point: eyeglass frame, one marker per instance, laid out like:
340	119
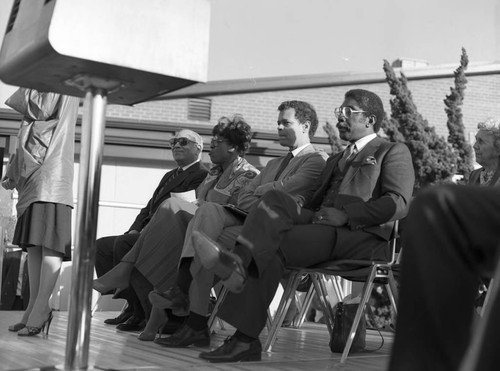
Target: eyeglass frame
341	110
183	141
214	141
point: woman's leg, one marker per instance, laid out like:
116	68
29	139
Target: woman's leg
34	266
49	267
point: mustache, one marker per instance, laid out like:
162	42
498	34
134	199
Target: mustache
342	125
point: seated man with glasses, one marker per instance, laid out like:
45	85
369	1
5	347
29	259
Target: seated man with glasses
359	195
187	148
153	260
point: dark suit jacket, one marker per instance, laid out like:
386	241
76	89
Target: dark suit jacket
10	276
376	189
188	180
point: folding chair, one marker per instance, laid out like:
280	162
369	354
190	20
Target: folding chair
367	271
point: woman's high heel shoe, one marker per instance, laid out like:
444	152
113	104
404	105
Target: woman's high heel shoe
18	326
150	336
117	278
160	317
32	330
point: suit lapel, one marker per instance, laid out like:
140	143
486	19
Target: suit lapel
290	166
354	166
167	186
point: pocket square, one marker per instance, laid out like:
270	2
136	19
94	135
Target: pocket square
370	160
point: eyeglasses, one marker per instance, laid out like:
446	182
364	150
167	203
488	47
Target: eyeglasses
182	141
346	112
215	141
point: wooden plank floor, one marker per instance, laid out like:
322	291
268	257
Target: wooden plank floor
296	349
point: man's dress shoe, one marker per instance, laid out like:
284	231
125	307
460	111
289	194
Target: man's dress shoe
122	317
185	337
171	327
132	324
225	264
234	350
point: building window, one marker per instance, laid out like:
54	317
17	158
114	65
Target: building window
199	109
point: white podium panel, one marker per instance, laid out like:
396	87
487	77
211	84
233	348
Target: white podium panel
135	49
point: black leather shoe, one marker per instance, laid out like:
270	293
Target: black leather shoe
122	317
234	350
185	337
132	324
173	299
225	264
171	327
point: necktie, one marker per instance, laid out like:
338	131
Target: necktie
283	165
348	154
174	175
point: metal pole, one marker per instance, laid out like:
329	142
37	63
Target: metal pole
77	341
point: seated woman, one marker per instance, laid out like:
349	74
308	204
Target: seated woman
155	255
487	149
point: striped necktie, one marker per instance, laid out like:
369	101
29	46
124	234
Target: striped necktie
348	154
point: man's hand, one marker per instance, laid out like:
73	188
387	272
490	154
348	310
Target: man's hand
330	216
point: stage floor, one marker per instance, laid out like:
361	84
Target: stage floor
296	349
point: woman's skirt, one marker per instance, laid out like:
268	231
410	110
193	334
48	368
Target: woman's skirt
45	224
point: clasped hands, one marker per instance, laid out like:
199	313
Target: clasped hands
330	216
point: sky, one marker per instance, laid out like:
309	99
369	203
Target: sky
263	38
269	38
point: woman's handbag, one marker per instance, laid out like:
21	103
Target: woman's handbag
342	321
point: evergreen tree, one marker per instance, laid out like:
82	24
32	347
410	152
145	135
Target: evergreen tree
434	160
333	138
453	109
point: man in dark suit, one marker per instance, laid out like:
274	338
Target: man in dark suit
450	242
187	148
362	191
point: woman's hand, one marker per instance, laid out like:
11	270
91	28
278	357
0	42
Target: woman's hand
8	183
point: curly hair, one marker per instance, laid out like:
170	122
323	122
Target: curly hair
303	112
236	131
492	126
369	102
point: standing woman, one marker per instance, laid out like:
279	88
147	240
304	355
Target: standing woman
487	150
42	172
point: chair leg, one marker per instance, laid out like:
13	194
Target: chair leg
96	305
393	289
305	306
286	299
367	289
213	315
319	286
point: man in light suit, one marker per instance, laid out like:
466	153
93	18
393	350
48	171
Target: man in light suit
362	190
187	147
294	173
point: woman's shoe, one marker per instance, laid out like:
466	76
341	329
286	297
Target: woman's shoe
18	326
150	335
32	330
116	278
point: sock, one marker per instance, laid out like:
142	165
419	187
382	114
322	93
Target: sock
242	337
173	318
184	277
196	321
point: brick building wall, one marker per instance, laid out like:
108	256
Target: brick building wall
482	98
